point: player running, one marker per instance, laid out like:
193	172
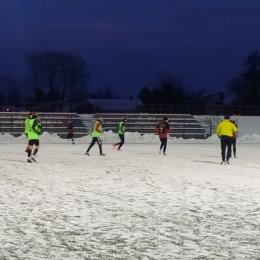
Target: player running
121	133
97	131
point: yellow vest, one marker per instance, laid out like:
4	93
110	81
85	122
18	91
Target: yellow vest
226	128
96	133
32	135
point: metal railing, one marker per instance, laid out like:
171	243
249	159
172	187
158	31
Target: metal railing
209	123
245	110
200	109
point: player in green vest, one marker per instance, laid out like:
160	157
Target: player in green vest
35	128
121	133
97	131
26	128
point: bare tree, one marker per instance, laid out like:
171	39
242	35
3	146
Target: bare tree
75	77
167	90
9	89
43	73
246	86
104	93
60	75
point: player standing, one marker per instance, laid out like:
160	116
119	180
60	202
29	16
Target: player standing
162	129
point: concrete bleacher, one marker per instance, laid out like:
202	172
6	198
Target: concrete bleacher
13	123
183	125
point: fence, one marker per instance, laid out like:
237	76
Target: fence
243	110
200	109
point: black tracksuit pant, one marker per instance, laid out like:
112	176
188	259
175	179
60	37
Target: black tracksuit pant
226	142
122	138
234	141
163	144
94	140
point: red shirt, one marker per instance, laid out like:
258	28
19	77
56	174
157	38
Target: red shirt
162	129
98	124
234	134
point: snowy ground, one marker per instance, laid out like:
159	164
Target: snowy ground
134	204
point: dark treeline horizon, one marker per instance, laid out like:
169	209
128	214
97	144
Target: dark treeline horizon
63	77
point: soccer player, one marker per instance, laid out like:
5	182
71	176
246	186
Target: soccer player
162	129
97	131
121	133
35	128
225	131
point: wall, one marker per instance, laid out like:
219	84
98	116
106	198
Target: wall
246	124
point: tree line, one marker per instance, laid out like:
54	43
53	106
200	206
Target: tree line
63	77
245	87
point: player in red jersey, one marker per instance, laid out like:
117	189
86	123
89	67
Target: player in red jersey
162	129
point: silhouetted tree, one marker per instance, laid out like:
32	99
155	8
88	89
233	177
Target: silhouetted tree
9	89
59	75
103	93
40	96
2	89
146	95
167	91
74	77
246	86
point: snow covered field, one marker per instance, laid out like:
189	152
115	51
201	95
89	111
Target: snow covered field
134	204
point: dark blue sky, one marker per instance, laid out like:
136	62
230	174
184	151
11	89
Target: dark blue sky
129	44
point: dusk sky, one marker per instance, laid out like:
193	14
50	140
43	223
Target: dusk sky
129	44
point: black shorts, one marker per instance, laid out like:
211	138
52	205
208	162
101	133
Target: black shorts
34	142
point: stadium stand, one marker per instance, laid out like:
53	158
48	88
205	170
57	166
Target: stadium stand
13	123
183	125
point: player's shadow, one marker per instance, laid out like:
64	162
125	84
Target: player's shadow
205	162
12	160
215	156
